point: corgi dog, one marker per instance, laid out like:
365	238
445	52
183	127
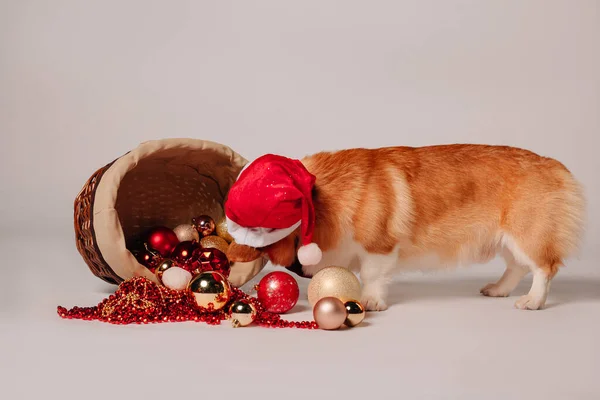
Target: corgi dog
382	211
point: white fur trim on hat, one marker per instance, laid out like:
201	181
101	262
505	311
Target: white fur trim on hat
309	254
258	237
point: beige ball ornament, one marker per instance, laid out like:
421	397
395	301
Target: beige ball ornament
336	282
186	232
163	266
330	313
171	275
176	278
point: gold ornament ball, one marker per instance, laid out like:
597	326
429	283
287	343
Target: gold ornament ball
210	287
222	230
330	313
214	242
242	313
335	282
356	313
186	232
162	267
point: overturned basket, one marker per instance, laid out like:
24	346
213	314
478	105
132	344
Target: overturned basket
162	182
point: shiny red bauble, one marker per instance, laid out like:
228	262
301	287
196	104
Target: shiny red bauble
147	258
162	239
278	292
209	260
184	251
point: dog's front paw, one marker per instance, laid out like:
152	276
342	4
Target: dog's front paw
529	302
373	303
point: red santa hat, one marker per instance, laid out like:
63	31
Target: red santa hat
271	198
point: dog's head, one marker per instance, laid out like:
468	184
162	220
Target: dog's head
281	253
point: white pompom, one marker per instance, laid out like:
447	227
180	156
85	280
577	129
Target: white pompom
310	254
176	278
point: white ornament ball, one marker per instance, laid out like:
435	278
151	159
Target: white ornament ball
176	278
186	232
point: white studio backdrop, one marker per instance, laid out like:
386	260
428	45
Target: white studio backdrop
81	83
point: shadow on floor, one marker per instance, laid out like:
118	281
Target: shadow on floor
563	290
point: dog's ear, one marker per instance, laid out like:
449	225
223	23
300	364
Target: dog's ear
242	253
283	252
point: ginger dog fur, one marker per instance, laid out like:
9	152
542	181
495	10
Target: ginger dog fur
381	210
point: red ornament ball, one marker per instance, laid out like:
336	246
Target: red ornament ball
162	239
278	292
209	260
185	250
147	258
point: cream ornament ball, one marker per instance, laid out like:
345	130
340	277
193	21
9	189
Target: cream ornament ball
336	282
186	232
176	278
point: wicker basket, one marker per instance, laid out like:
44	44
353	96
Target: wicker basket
162	182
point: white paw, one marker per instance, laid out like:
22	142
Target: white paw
529	302
493	290
373	303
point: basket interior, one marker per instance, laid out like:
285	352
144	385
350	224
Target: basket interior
171	187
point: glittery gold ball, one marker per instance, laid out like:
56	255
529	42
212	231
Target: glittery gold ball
214	242
210	287
222	230
186	232
242	313
336	282
356	313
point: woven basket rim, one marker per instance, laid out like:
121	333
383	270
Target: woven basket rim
108	242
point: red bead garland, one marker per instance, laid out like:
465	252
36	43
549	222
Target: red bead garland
141	301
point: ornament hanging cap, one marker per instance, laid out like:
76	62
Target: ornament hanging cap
271	198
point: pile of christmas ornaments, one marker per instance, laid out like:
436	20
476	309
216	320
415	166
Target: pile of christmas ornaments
193	257
139	300
333	294
181	254
192	269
